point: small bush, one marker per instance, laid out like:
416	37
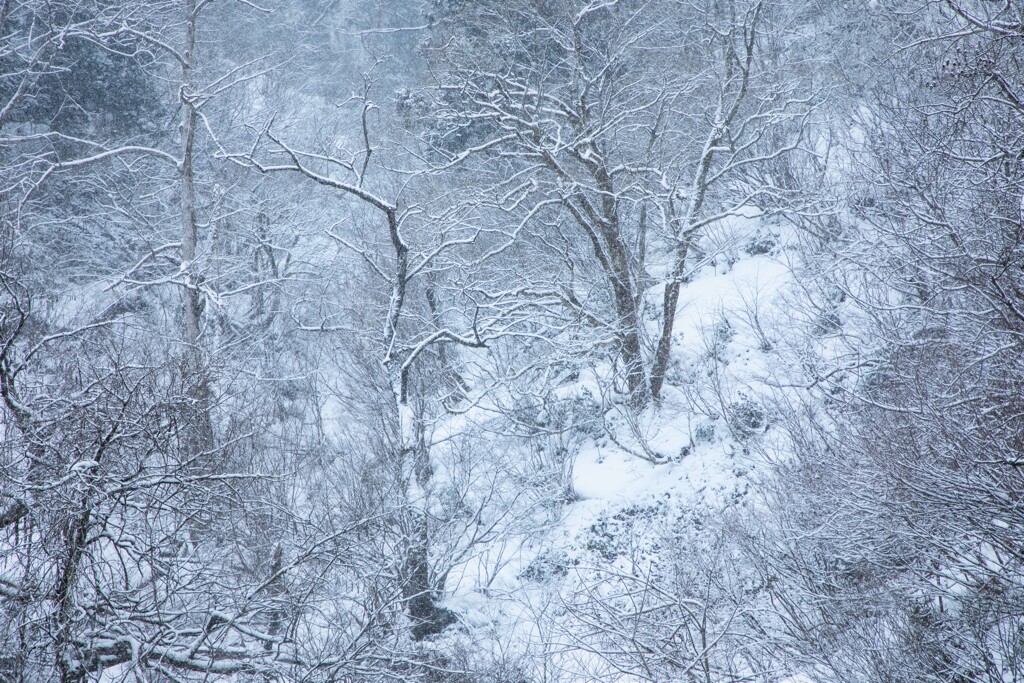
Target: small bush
545	567
763	241
746	417
704	432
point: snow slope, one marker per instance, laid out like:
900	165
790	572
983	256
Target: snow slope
692	455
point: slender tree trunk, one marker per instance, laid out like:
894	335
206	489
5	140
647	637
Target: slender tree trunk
690	225
192	310
64	594
670	303
194	375
71	668
661	354
417	588
724	117
276	591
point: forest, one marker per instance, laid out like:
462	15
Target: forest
512	341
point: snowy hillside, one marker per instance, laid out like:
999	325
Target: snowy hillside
511	341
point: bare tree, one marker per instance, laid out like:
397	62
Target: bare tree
620	130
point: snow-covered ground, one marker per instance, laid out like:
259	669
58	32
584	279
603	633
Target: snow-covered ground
690	454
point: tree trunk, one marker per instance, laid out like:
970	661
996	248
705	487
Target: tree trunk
630	350
418	588
670	302
198	426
